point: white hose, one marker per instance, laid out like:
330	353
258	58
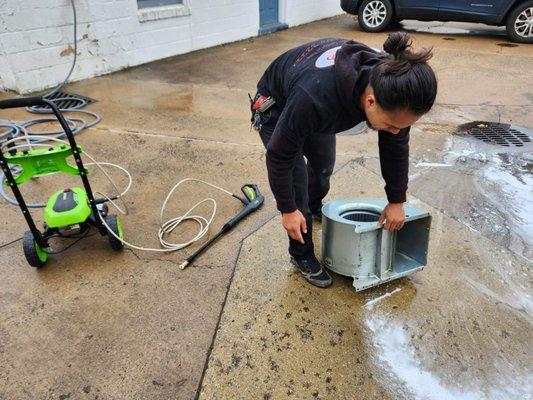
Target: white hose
166	227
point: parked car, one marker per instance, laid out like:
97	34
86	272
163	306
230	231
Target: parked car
515	15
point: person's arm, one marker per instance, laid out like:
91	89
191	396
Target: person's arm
298	119
394	160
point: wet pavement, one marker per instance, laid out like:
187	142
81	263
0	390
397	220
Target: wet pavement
415	338
241	323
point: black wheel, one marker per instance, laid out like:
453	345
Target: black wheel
374	15
520	23
35	256
114	224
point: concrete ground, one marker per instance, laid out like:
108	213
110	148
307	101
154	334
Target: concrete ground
240	323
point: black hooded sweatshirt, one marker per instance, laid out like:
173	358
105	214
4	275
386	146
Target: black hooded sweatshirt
318	87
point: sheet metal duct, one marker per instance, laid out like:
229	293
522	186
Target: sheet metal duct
355	244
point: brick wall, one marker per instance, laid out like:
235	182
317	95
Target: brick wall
36	35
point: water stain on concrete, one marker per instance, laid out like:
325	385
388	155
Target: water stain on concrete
176	100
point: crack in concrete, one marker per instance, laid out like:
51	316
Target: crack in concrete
146	259
186	138
193	265
234	267
132	252
207	266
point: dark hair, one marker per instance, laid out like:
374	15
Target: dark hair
404	80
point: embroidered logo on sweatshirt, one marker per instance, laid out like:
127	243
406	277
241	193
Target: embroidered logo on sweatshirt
327	58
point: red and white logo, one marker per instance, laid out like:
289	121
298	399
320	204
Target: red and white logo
327	58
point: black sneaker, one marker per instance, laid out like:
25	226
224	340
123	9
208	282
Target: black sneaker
312	271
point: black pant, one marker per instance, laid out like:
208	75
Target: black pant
310	180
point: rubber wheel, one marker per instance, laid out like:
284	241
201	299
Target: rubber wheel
114	224
521	14
35	256
375	15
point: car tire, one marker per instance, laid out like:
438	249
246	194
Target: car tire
519	23
375	15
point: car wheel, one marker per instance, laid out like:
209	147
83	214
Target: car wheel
374	15
520	23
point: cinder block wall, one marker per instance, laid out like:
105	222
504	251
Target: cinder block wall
36	36
303	11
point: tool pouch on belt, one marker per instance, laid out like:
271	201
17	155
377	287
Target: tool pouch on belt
259	106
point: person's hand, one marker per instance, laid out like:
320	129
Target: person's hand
295	224
393	216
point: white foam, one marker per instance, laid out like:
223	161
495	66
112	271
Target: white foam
518	195
397	356
371	303
433	165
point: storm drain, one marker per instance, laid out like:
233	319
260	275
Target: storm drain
361	216
497	133
65	101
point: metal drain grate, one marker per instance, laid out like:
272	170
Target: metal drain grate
361	216
66	100
496	133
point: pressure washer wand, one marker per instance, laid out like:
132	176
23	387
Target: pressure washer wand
253	201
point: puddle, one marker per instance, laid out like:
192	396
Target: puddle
504	178
412	368
492	173
405	376
409	378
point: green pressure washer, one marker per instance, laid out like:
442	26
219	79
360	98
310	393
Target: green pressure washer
69	212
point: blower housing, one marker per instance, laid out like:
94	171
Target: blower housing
355	244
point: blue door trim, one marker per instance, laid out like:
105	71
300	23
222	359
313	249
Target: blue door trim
272	28
269	17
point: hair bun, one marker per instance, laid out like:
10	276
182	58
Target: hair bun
397	43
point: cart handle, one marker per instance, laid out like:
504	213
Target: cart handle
40	101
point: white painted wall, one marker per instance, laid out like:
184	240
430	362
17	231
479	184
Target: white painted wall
36	36
298	12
